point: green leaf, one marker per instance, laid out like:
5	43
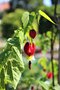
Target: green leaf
49	34
46	16
45	86
14	75
14	67
21	38
31	18
18	58
2	78
14	42
9	70
25	19
11	60
43	62
57	87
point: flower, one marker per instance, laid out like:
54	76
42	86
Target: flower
29	48
49	75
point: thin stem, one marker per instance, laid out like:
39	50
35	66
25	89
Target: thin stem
56	1
52	43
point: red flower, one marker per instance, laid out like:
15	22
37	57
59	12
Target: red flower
32	33
49	75
29	48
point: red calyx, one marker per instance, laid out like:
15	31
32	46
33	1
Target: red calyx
49	75
32	33
29	48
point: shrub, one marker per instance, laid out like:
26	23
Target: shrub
11	22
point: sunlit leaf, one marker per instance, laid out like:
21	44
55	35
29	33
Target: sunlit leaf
43	62
25	19
49	33
46	16
57	87
45	86
11	60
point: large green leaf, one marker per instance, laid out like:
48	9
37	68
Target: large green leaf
18	58
14	74
46	16
14	42
25	19
11	60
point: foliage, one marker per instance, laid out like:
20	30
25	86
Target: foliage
57	87
11	58
32	77
46	65
29	4
37	76
11	61
44	42
25	19
11	22
45	16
